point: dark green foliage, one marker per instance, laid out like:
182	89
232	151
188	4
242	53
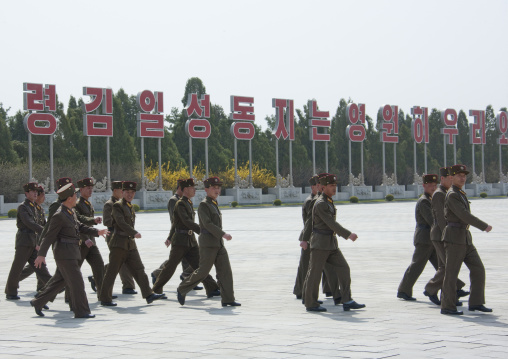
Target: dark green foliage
353	199
13	213
389	197
277	202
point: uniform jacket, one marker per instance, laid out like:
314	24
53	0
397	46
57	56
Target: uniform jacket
41	219
171	206
307	206
85	213
210	224
424	220
107	217
324	220
124	219
437	203
183	222
63	233
27	223
53	207
458	212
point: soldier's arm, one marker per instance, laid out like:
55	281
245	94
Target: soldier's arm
438	207
456	205
51	235
426	212
82	217
53	207
28	219
326	216
119	218
185	218
205	217
83	228
107	216
171	209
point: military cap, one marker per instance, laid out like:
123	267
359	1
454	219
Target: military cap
116	185
127	185
66	191
314	180
327	179
212	181
30	186
322	174
40	190
431	178
187	183
458	169
85	182
178	182
62	182
444	171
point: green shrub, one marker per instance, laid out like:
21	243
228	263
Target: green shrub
234	204
277	202
483	195
353	199
12	213
389	197
136	207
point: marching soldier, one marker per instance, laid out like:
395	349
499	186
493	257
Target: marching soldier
438	199
123	249
459	248
324	249
211	247
183	242
128	285
63	235
424	250
28	223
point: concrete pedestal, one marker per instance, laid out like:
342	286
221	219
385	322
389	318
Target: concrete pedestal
245	195
152	199
362	192
502	187
416	188
287	195
479	188
398	191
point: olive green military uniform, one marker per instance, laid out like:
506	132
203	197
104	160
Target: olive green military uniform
424	250
27	222
459	248
123	250
324	249
63	235
107	218
183	245
85	213
211	252
436	232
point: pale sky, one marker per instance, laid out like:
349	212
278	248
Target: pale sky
438	54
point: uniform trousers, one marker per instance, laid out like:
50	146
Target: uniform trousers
68	273
436	283
318	258
209	256
27	272
424	252
175	257
187	270
93	256
131	259
22	256
456	254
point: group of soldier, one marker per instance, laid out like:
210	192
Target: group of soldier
69	230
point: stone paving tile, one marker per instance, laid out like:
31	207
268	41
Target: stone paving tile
271	323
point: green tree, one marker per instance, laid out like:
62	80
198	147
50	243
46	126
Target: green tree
7	152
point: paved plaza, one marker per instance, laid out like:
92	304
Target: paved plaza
271	323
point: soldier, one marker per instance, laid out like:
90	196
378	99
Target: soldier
28	223
183	242
459	248
89	250
424	250
211	247
123	249
438	200
187	269
63	235
41	219
128	285
324	249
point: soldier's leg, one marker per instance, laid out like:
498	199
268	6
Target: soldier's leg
224	272
138	269
21	256
476	275
50	290
71	273
175	257
117	257
205	265
303	267
332	281
317	262
421	255
94	258
26	272
434	285
127	278
158	271
455	254
325	286
192	257
186	268
339	263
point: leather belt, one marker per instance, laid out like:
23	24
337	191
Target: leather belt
70	240
323	231
422	226
457	225
184	231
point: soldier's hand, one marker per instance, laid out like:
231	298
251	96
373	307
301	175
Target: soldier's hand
489	228
89	243
103	232
353	237
98	220
137	235
304	244
37	248
167	243
39	261
227	237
